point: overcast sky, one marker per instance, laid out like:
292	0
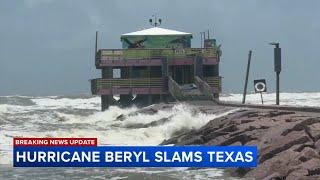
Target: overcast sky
47	46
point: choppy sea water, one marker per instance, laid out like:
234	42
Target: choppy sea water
292	99
80	116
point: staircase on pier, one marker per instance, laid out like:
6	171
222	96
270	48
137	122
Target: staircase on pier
200	90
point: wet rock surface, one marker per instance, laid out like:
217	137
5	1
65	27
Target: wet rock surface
288	141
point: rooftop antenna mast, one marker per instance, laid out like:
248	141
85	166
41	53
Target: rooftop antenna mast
155	21
201	39
96	46
204	38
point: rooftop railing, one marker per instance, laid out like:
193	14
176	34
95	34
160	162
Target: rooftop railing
123	54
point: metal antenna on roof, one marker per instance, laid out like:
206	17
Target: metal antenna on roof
155	21
201	39
213	32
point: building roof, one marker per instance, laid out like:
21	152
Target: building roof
155	31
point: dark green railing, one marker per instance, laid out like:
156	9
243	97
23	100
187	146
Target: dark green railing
115	54
214	81
129	83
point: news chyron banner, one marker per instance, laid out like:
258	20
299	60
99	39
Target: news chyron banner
84	152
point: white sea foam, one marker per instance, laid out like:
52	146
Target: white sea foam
50	117
292	99
44	119
53	103
3	109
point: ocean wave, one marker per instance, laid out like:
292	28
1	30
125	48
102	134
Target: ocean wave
103	125
311	99
61	116
16	100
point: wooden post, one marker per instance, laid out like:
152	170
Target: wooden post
261	97
165	71
247	77
106	100
96	46
278	89
199	66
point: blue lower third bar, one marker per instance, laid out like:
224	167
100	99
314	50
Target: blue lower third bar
136	156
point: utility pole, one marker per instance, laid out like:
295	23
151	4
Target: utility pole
96	46
247	77
277	69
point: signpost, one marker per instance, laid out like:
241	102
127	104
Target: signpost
277	68
260	86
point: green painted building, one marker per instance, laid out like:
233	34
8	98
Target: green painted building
155	65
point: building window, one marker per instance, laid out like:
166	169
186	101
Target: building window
116	73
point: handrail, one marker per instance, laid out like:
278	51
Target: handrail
204	87
133	82
142	53
213	81
174	89
116	49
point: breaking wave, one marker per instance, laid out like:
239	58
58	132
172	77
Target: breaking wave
80	116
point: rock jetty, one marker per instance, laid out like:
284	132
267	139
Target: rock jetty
288	141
